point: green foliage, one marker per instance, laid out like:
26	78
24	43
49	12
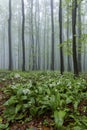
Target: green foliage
33	95
67	45
4	126
59	118
46	123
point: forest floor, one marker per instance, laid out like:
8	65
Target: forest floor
42	101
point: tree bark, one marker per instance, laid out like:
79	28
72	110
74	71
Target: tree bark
32	37
23	37
74	10
9	36
38	36
68	58
52	35
79	38
60	29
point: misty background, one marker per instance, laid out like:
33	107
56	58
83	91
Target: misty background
38	34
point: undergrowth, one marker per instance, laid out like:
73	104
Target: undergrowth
62	98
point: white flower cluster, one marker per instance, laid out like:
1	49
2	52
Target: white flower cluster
26	91
53	84
3	79
58	83
17	75
13	86
30	83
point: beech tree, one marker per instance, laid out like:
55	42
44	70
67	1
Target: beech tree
32	37
74	11
68	28
79	38
23	37
52	35
60	38
9	36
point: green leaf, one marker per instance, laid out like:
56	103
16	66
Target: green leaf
33	111
11	101
77	128
0	119
23	98
18	107
20	116
4	126
59	118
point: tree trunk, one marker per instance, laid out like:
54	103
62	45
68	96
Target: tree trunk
60	29
9	36
32	37
23	38
44	51
69	66
38	36
79	38
75	64
52	35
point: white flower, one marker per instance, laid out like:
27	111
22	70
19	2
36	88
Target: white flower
50	85
58	83
30	84
3	79
26	91
69	84
79	83
70	87
56	90
17	75
13	86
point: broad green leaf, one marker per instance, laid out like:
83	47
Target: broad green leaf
11	101
77	128
4	126
18	107
0	119
59	118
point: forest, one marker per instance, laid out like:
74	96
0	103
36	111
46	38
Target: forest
43	65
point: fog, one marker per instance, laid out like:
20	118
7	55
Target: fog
38	35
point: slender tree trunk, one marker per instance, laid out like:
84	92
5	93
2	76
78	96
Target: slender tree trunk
44	54
79	38
38	36
9	36
84	58
74	10
3	39
47	43
36	46
23	38
60	29
19	43
52	35
69	66
33	54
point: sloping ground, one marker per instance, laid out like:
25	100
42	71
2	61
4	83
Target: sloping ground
42	101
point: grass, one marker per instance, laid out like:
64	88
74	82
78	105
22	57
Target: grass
43	99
